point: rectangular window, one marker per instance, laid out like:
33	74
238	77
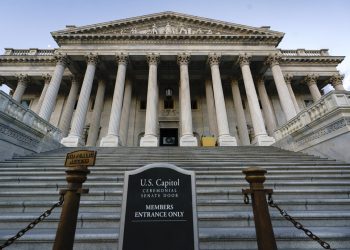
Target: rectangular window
194	104
25	103
308	103
168	104
143	105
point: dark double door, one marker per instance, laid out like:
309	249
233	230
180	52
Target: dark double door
168	137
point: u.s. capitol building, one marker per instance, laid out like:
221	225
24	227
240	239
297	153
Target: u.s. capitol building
170	79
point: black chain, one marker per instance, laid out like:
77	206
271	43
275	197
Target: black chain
298	225
33	223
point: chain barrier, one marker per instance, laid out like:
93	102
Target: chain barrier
297	224
31	225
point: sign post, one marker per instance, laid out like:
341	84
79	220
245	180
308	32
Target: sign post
76	163
159	209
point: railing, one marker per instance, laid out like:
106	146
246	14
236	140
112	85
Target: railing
29	52
28	117
328	103
304	52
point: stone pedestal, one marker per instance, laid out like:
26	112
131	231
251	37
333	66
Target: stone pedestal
72	141
149	141
227	140
263	140
110	141
188	141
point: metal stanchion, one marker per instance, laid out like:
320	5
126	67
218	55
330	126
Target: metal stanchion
263	226
76	176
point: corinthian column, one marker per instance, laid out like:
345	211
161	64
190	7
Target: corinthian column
112	138
150	138
96	115
282	89
337	81
187	138
260	136
225	139
124	126
311	81
288	78
74	137
51	95
213	128
21	87
241	121
68	110
270	118
47	79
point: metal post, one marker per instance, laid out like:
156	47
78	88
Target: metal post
263	226
65	234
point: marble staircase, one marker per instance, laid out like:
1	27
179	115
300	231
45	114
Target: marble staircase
314	190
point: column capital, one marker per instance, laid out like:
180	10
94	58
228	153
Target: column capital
336	79
288	78
122	58
23	78
214	59
62	59
244	59
92	58
47	77
183	58
153	58
311	79
273	59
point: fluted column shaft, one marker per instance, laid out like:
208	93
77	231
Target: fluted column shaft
112	138
150	138
52	91
270	118
281	86
311	81
221	115
21	87
124	126
260	135
288	79
74	137
152	100
68	110
96	115
211	107
47	79
241	121
187	138
337	81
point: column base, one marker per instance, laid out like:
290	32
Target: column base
188	141
263	140
110	141
227	140
149	141
72	141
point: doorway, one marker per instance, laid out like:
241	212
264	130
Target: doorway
168	137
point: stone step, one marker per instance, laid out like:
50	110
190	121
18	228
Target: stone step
200	185
201	194
205	219
210	238
202	205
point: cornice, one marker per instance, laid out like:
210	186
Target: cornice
315	59
166	39
27	59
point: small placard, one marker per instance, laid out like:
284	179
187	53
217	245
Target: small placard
80	158
159	209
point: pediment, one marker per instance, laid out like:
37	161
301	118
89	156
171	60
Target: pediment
167	24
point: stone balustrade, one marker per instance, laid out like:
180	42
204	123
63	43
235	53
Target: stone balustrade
29	52
326	105
28	117
304	52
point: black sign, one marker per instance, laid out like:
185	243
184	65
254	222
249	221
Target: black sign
159	209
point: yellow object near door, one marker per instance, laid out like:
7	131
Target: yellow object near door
208	141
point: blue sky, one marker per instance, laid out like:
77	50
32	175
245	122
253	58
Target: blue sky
307	24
